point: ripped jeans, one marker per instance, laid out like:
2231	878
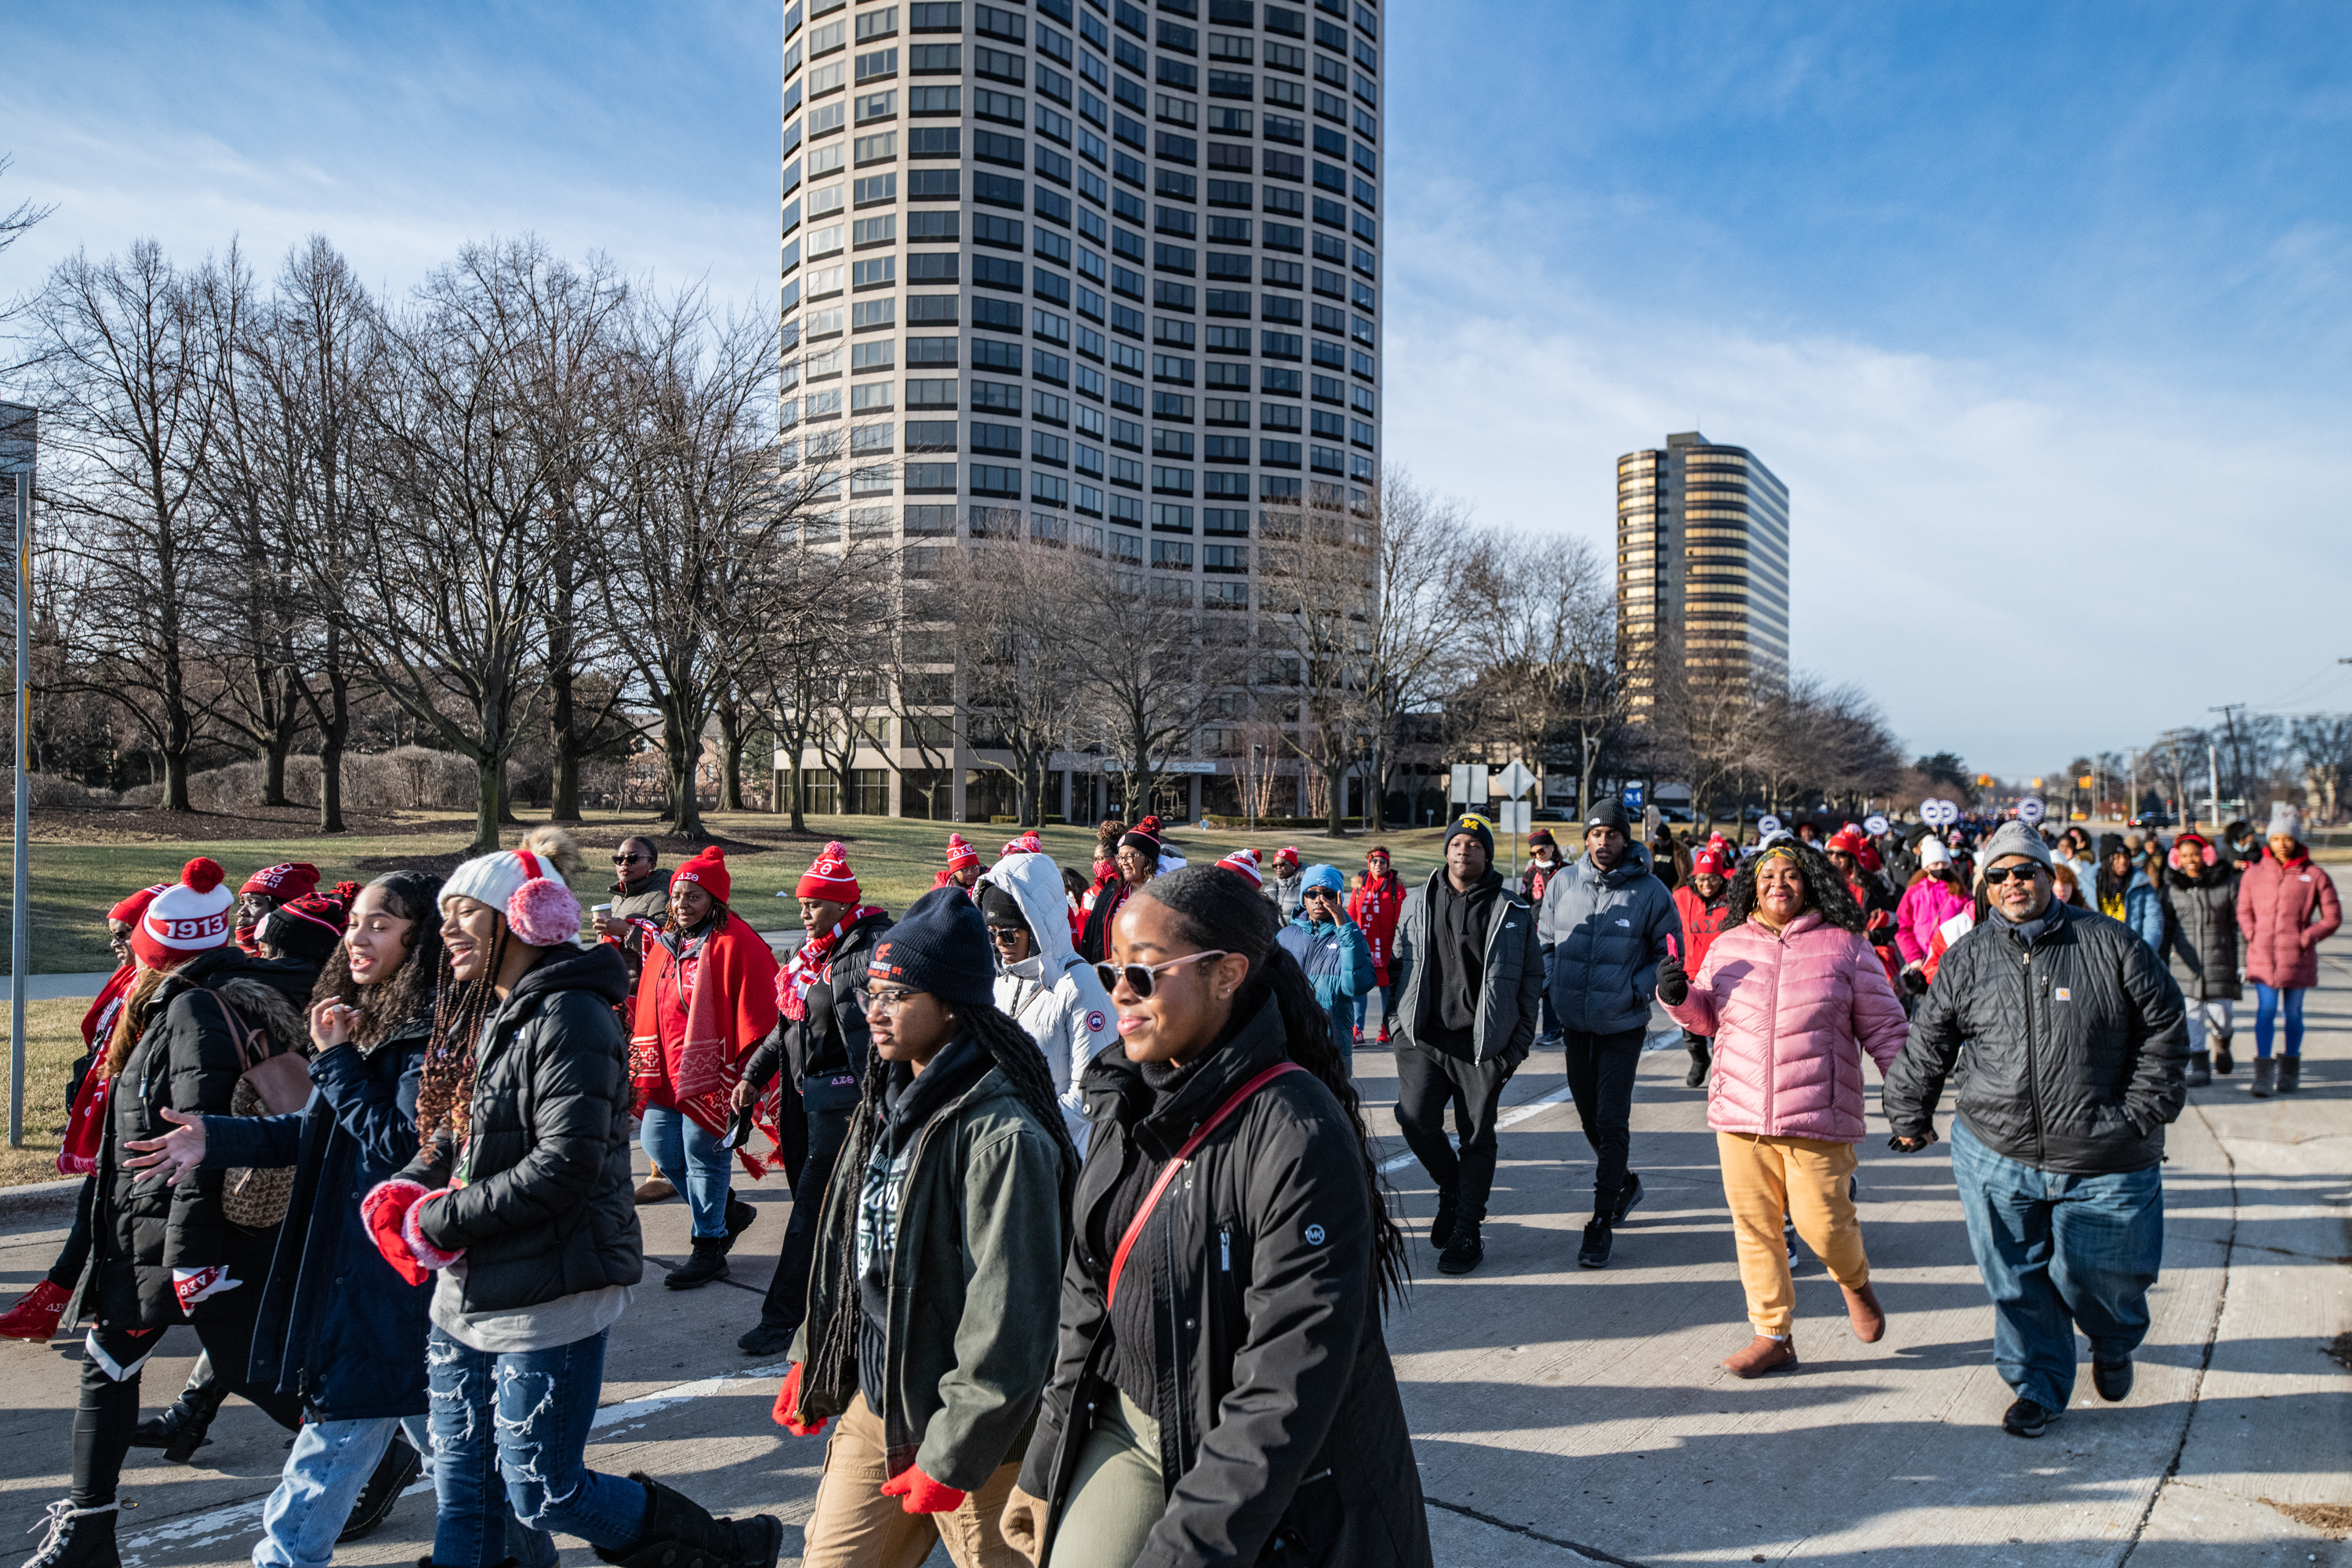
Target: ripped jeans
519	1420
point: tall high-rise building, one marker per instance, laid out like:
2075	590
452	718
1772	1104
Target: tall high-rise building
1098	276
1702	565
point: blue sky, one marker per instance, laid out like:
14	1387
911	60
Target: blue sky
2040	311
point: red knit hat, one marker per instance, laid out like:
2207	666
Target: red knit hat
707	870
1708	862
188	916
1288	852
1027	844
1847	840
129	911
1243	863
830	878
286	882
960	854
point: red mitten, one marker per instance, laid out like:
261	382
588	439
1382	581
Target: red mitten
787	1411
194	1285
384	1212
412	1231
923	1494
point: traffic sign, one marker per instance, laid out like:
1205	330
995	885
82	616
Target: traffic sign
1515	780
2030	811
1633	795
1468	783
1515	815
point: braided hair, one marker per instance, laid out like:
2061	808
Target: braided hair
445	1090
1216	908
832	1343
1826	893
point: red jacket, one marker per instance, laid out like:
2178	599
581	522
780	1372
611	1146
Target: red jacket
1701	923
2285	912
1374	906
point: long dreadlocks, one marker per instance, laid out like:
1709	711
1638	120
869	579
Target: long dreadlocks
445	1090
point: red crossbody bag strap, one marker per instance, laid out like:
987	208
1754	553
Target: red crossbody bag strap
1151	1198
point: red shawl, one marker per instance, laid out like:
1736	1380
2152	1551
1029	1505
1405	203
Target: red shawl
86	1121
695	1027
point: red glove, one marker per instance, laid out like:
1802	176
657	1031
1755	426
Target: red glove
923	1494
390	1212
193	1285
787	1411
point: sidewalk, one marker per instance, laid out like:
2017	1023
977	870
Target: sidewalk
1562	1415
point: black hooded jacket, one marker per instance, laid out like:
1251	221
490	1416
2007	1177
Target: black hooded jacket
2075	1042
826	1046
1282	1434
546	1208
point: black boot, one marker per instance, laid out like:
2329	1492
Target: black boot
766	1338
708	1263
1464	1250
77	1538
2224	1064
2201	1069
1441	1227
1629	1193
2265	1077
1701	1059
389	1479
180	1430
740	1215
680	1533
2290	1073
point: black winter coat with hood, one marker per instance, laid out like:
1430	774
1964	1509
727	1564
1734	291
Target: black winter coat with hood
336	1327
826	1046
2075	1042
2200	930
545	1207
186	1058
1282	1433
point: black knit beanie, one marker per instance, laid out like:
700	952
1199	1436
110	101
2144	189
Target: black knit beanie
940	946
998	907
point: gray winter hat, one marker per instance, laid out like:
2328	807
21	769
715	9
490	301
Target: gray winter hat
2014	838
2285	820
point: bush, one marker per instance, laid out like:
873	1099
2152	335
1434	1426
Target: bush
55	791
1051	821
1283	824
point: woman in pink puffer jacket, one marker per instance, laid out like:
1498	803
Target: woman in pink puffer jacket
1795	997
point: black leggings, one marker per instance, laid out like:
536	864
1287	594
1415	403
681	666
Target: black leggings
108	1412
787	1300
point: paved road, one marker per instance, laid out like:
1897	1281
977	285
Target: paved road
1563	1415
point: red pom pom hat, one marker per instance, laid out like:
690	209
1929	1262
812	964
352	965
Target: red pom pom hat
190	916
830	878
707	870
960	853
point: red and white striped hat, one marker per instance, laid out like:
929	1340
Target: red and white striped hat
830	878
960	853
1243	863
191	916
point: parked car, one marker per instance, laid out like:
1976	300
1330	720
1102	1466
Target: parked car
2154	819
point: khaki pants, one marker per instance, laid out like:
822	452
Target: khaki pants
855	1526
1806	1179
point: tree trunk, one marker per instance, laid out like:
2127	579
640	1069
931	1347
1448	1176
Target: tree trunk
1335	799
330	786
175	781
792	789
273	770
490	810
680	753
730	752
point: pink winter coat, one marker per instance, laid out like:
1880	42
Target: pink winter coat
1927	904
2284	913
1791	1015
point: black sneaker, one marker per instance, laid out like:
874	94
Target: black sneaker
2027	1419
1788	1240
1594	1253
708	1263
2112	1379
1441	1228
765	1338
1464	1252
1629	1193
389	1479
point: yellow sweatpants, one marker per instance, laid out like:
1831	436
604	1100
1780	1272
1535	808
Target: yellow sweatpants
1806	1179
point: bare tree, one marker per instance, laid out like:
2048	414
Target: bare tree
1318	573
126	374
1020	651
1417	634
1155	670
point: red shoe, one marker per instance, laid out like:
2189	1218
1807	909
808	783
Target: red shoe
34	1315
1359	1034
1384	1034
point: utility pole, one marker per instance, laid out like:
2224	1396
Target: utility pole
2237	752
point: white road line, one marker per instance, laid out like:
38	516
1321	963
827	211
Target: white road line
1517	1114
245	1518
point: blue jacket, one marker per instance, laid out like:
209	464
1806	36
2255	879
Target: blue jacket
336	1326
1338	961
1604	934
2144	911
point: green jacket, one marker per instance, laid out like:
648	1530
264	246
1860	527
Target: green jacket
975	1286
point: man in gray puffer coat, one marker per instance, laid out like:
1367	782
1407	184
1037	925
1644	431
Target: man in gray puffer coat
1605	926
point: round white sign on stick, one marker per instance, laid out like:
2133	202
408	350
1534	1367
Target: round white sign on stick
1875	825
1768	824
2030	811
1938	813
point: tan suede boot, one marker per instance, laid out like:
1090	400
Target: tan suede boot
1764	1354
1869	1319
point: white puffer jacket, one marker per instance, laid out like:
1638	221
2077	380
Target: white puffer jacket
1053	992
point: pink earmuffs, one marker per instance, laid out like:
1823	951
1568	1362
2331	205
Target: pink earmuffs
2205	852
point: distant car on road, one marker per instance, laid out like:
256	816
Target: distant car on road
1674	814
2154	819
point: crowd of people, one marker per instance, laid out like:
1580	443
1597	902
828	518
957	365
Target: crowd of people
373	1144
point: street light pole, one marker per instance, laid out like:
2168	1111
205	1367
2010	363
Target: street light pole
21	917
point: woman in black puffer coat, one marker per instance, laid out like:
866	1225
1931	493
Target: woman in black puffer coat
200	1013
2201	931
521	1201
1267	1428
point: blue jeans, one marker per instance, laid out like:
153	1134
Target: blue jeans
2058	1252
690	1157
519	1423
1363	1005
2266	1008
324	1474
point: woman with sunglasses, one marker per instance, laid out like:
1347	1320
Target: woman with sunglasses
1223	1392
1041	980
1794	997
929	1328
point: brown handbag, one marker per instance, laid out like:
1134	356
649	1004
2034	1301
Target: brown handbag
273	1083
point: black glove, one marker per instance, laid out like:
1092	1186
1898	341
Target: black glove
1905	1145
1915	981
1674	986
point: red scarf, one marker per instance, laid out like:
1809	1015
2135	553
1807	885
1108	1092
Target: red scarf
700	1010
811	962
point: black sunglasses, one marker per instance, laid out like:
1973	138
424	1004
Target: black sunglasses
1995	876
1139	975
625	860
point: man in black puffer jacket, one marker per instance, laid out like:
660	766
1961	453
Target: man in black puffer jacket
2075	1044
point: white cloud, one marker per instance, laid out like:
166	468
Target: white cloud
2018	560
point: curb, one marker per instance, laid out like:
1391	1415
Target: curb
39	1198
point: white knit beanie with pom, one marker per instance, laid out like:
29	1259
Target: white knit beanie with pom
527	884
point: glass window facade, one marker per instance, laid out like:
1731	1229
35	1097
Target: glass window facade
1703	564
